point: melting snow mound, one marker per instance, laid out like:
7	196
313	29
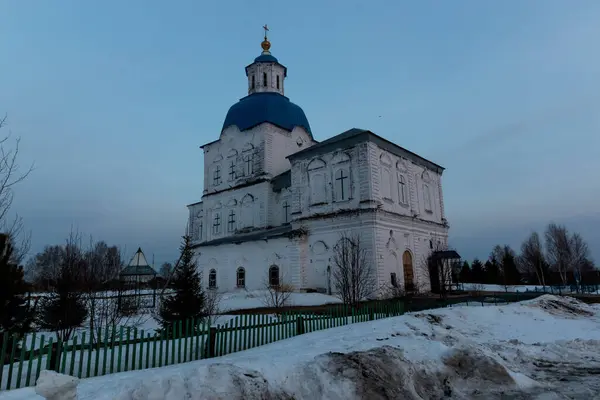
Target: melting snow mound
561	306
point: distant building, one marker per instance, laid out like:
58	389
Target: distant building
275	200
138	272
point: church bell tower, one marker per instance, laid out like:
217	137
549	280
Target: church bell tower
265	74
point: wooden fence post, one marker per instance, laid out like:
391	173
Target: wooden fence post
212	341
299	325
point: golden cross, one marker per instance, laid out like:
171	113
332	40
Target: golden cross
266	28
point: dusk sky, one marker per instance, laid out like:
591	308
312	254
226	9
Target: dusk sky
112	100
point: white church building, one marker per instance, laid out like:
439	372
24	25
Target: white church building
276	201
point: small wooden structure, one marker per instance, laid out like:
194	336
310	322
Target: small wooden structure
134	289
443	267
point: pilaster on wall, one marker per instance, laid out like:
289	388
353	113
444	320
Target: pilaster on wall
375	180
439	184
365	172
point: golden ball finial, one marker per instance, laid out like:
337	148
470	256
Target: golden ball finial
266	45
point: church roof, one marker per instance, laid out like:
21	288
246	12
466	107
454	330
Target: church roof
138	265
260	234
355	136
266	58
282	181
272	107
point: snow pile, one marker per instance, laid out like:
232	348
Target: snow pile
55	386
562	306
544	349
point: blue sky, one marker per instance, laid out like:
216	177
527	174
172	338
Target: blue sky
112	100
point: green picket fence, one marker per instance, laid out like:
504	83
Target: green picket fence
122	349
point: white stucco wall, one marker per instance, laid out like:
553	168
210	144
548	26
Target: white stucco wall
272	71
255	257
280	144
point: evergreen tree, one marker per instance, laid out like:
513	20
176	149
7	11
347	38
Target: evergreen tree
477	272
189	299
492	272
465	273
510	272
16	315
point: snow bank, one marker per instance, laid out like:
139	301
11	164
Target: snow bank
55	386
544	349
561	306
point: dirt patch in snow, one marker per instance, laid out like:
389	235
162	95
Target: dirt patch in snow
384	373
470	364
562	306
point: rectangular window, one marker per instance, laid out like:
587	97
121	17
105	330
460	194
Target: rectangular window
231	221
277	81
402	194
249	164
394	280
286	212
217	224
217	176
232	170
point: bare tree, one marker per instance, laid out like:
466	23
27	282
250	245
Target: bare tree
579	252
558	250
531	260
354	275
212	305
103	264
11	175
277	290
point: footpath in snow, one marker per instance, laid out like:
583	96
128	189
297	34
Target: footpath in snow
547	348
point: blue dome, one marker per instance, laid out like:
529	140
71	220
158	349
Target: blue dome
265	58
270	107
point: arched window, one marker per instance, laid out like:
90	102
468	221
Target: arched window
241	277
274	276
264	79
253	82
212	279
277	81
402	196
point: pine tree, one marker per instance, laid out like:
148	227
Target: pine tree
477	272
492	272
16	315
465	273
189	300
510	272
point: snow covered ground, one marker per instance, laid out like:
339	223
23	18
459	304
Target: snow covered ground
520	288
240	300
547	348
